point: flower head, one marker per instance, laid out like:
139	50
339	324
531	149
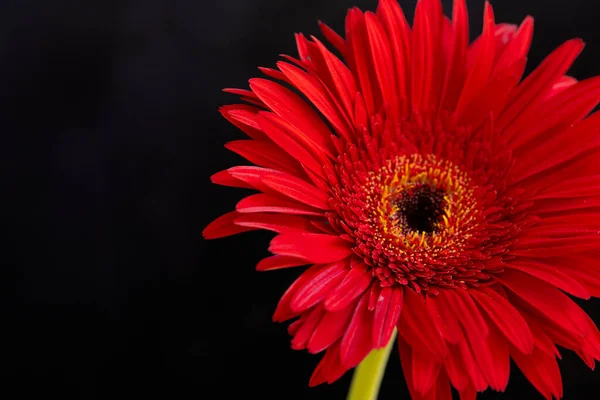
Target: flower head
428	188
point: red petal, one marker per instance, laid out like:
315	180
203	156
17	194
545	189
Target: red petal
275	128
551	275
398	32
538	82
277	182
466	312
560	112
275	222
356	342
341	78
296	189
265	154
383	62
387	312
332	37
313	247
307	328
417	327
283	311
506	318
406	351
492	357
561	149
319	95
456	69
359	58
471	366
330	368
225	178
548	301
426	51
442	386
295	111
224	226
541	370
455	368
470	393
262	203
479	74
425	370
319	286
518	47
279	262
331	328
446	322
354	284
243	117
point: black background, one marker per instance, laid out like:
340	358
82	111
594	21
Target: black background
110	133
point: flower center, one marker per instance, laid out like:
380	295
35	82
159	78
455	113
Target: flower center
418	221
419	209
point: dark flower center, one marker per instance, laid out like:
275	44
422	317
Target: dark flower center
420	208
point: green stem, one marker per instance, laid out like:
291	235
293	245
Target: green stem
369	373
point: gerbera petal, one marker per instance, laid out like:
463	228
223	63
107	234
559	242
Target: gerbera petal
541	370
516	48
313	247
331	328
319	286
417	327
319	96
330	367
466	312
296	112
561	111
343	81
278	262
560	149
263	203
387	311
399	34
425	370
506	318
406	351
383	62
447	324
273	126
265	154
284	311
548	301
536	84
270	180
332	37
426	51
274	222
225	178
224	226
472	368
479	74
354	284
456	69
307	328
243	117
456	369
442	387
553	276
492	356
356	343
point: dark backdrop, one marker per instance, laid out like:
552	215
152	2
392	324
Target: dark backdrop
110	133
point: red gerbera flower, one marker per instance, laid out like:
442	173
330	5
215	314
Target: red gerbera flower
429	189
